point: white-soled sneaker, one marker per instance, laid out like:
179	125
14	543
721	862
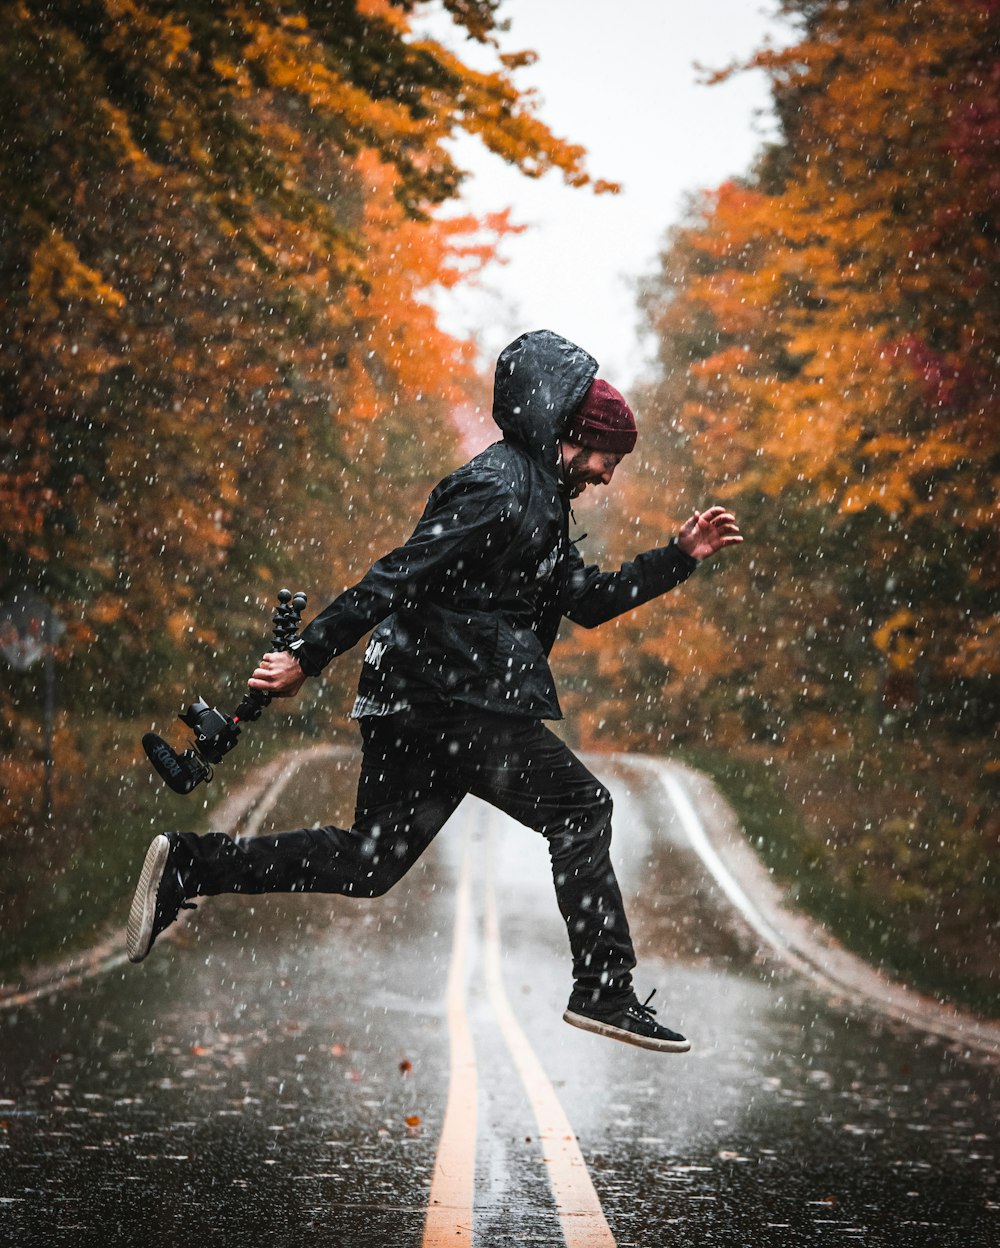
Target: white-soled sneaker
632	1023
159	898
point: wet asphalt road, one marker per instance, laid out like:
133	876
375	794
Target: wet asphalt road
278	1074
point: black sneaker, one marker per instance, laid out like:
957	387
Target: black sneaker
632	1023
159	898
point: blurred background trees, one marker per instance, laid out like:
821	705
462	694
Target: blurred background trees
219	366
827	331
827	334
218	244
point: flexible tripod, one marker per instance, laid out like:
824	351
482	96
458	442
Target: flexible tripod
216	733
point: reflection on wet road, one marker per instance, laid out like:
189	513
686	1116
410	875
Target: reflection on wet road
278	1073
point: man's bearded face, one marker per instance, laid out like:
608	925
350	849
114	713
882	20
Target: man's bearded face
583	466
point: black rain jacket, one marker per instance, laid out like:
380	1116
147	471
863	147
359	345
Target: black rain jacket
468	608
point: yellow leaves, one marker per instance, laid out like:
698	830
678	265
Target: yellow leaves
502	117
899	640
829	348
176	38
891	495
118	129
230	330
292	61
58	273
107	609
169	40
178	625
232	72
732	360
384	11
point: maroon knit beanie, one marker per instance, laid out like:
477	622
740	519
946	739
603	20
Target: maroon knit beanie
603	421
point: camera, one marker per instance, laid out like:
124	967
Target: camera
215	732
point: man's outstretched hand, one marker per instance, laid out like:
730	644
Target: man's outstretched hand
279	675
708	531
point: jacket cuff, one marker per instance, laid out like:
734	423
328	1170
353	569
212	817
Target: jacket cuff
688	562
306	660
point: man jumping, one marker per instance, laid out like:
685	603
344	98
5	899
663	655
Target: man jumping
455	684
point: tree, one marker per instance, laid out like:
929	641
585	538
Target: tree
218	241
827	329
219	238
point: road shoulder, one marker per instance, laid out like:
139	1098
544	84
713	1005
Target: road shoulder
791	935
235	815
783	932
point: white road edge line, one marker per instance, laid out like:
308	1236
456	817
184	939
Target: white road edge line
103	962
694	828
450	1205
269	799
876	990
580	1214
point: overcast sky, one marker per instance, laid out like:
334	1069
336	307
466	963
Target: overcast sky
621	79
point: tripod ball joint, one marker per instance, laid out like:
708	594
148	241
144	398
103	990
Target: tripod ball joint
215	732
287	617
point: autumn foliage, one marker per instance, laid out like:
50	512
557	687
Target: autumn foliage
827	331
219	363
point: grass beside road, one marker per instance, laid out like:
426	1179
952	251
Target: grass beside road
896	854
68	886
69	883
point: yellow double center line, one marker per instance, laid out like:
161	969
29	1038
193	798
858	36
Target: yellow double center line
449	1208
452	1196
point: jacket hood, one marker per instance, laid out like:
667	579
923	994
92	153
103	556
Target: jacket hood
541	378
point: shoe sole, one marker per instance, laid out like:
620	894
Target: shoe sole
626	1037
142	915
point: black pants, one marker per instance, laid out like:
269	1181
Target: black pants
417	767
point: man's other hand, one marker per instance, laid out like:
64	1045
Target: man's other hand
708	531
279	675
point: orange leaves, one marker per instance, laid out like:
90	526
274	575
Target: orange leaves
217	305
808	285
107	609
404	260
734	208
732	360
494	109
292	61
385	11
57	274
168	40
897	638
827	334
